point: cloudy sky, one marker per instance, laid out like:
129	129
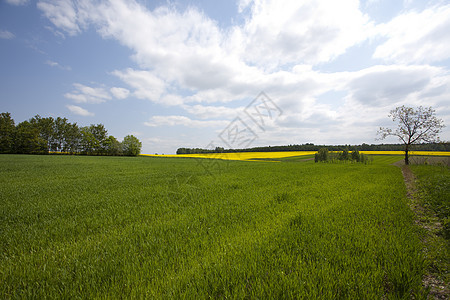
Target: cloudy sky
186	73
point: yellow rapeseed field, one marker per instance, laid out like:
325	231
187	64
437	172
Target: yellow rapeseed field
243	155
434	153
249	156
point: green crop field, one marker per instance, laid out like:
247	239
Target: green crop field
149	227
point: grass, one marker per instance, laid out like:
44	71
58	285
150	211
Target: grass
149	227
434	197
434	183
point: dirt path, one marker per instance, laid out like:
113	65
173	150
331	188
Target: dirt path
410	182
438	288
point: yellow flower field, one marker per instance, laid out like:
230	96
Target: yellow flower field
249	156
243	155
434	153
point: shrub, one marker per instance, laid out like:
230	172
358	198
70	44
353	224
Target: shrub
322	155
356	156
344	155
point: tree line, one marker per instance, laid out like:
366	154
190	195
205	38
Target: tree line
311	147
40	135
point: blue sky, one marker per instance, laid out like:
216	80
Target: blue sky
178	73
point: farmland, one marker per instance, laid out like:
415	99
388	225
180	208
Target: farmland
287	154
162	227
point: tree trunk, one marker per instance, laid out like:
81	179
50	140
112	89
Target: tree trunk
406	155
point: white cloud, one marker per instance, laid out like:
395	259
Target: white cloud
186	50
171	100
146	84
52	63
157	121
387	85
119	93
5	34
189	51
416	37
212	112
243	5
372	2
62	13
57	65
185	59
79	111
366	97
17	2
86	94
281	32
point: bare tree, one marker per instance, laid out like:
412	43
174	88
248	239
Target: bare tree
414	126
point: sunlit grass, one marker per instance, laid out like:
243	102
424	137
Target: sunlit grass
119	227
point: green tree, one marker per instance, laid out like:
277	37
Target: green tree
7	133
72	138
28	140
61	126
131	145
100	135
46	127
414	126
113	146
182	150
93	139
87	141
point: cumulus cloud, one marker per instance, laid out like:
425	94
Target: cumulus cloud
146	84
212	112
157	121
311	31
87	94
186	50
17	2
119	93
388	85
77	110
7	35
361	104
185	59
416	37
62	13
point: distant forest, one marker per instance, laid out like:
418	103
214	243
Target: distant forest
47	135
445	146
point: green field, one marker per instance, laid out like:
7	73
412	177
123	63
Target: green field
120	227
433	184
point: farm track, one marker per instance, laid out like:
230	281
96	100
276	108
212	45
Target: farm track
438	288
